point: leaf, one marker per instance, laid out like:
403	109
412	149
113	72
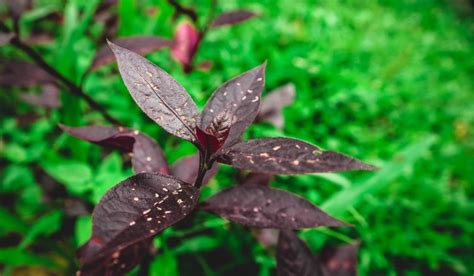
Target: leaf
46	225
163	99
236	102
17	7
11	223
131	212
22	73
186	42
139	44
263	207
164	264
5	38
341	260
75	175
17	257
147	155
82	229
295	258
48	98
232	18
187	168
257	179
287	156
273	104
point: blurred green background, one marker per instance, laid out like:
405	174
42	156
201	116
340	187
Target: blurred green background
390	82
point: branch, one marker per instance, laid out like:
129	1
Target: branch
73	88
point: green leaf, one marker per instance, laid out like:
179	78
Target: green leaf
109	173
83	229
46	225
76	176
18	256
16	177
197	244
11	223
164	265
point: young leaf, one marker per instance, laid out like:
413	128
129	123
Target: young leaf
264	207
135	210
186	42
273	104
49	97
294	258
162	98
139	44
187	168
22	73
232	18
237	101
287	156
147	155
342	260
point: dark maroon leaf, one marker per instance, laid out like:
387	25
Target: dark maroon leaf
135	210
5	38
48	98
162	98
233	17
119	262
235	104
294	258
264	207
186	169
147	155
342	260
17	7
287	156
186	42
273	104
139	44
22	73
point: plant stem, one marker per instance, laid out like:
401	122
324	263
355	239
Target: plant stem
73	88
202	169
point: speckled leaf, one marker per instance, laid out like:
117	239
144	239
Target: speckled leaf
342	260
139	44
232	17
135	210
273	104
147	155
287	156
48	98
186	42
264	207
162	98
186	169
22	73
119	262
237	100
294	258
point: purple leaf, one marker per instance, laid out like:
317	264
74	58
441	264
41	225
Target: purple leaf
162	98
186	42
287	156
135	210
22	73
119	262
5	38
48	98
263	207
17	7
234	105
342	260
147	155
139	44
294	258
186	169
273	104
232	18
257	179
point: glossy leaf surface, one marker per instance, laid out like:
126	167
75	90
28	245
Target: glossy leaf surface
232	17
163	99
287	156
147	155
138	44
264	207
135	210
237	101
294	258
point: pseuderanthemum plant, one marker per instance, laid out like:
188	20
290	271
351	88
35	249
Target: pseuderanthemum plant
156	197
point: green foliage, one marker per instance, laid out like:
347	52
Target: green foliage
386	81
